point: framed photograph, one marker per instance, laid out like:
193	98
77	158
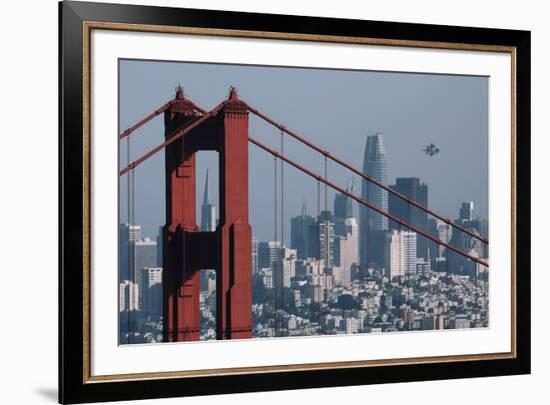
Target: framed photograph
255	202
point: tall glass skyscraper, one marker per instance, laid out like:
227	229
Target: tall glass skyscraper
374	226
412	188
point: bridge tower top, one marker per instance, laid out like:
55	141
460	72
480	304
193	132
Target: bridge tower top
181	105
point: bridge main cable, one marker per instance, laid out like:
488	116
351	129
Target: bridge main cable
364	175
177	135
366	203
155	113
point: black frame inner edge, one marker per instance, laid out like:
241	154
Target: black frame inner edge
71	385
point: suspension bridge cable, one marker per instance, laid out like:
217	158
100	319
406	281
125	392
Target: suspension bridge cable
184	131
145	120
366	203
156	113
364	175
178	135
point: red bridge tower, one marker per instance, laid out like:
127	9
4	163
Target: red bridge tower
186	250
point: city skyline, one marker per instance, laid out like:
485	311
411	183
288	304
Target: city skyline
458	125
277	268
137	233
290	253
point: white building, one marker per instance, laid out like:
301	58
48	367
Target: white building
349	245
314	267
423	266
285	268
130	232
341	276
444	234
349	325
266	274
128	296
128	235
292	322
401	253
151	276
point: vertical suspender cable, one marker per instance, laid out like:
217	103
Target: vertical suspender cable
276	267
318	199
326	231
275	199
129	245
282	193
134	279
326	187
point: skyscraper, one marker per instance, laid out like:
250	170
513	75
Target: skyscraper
143	253
459	264
130	232
480	226
401	253
467	211
127	233
150	291
442	231
299	234
418	192
321	236
374	226
347	247
268	253
208	210
343	208
283	270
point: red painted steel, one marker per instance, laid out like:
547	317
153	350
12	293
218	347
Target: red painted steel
229	247
363	202
180	281
234	276
158	111
177	136
364	175
144	121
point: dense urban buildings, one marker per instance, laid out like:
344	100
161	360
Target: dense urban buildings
345	271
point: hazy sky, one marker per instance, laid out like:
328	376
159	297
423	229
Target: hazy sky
335	109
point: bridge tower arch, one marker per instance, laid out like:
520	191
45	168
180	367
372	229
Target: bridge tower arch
186	249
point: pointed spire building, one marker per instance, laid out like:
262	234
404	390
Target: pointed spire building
208	210
374	226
